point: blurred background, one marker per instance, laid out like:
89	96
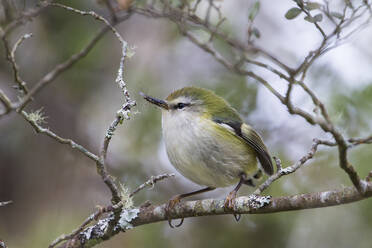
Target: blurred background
54	188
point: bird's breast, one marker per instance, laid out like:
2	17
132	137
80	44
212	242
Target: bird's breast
204	152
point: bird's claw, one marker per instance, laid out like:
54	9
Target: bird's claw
230	201
170	205
230	204
237	217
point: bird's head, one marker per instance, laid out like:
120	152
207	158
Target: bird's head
193	100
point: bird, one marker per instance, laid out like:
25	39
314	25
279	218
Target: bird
209	143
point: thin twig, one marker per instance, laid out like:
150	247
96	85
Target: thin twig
173	14
4	99
60	68
21	85
26	16
301	6
288	170
151	182
48	132
316	101
327	142
355	141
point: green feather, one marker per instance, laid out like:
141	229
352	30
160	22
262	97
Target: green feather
255	141
215	106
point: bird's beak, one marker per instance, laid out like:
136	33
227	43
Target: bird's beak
158	102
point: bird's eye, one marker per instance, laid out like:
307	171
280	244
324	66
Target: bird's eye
181	105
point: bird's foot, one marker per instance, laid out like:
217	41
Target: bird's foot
171	203
230	204
230	201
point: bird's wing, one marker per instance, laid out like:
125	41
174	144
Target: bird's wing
253	139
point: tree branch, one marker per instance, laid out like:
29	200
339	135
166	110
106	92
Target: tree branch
110	208
243	205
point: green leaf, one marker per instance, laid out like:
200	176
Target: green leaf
312	5
254	10
314	19
337	15
309	19
292	13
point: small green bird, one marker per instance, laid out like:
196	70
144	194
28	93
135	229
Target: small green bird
208	142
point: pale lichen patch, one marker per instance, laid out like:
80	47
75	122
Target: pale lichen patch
364	185
324	197
158	211
87	233
192	204
256	201
103	224
125	196
287	170
126	216
37	116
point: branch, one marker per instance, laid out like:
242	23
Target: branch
91	218
355	142
60	68
7	103
48	132
151	182
10	54
97	214
26	16
288	170
301	6
243	205
123	113
190	19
